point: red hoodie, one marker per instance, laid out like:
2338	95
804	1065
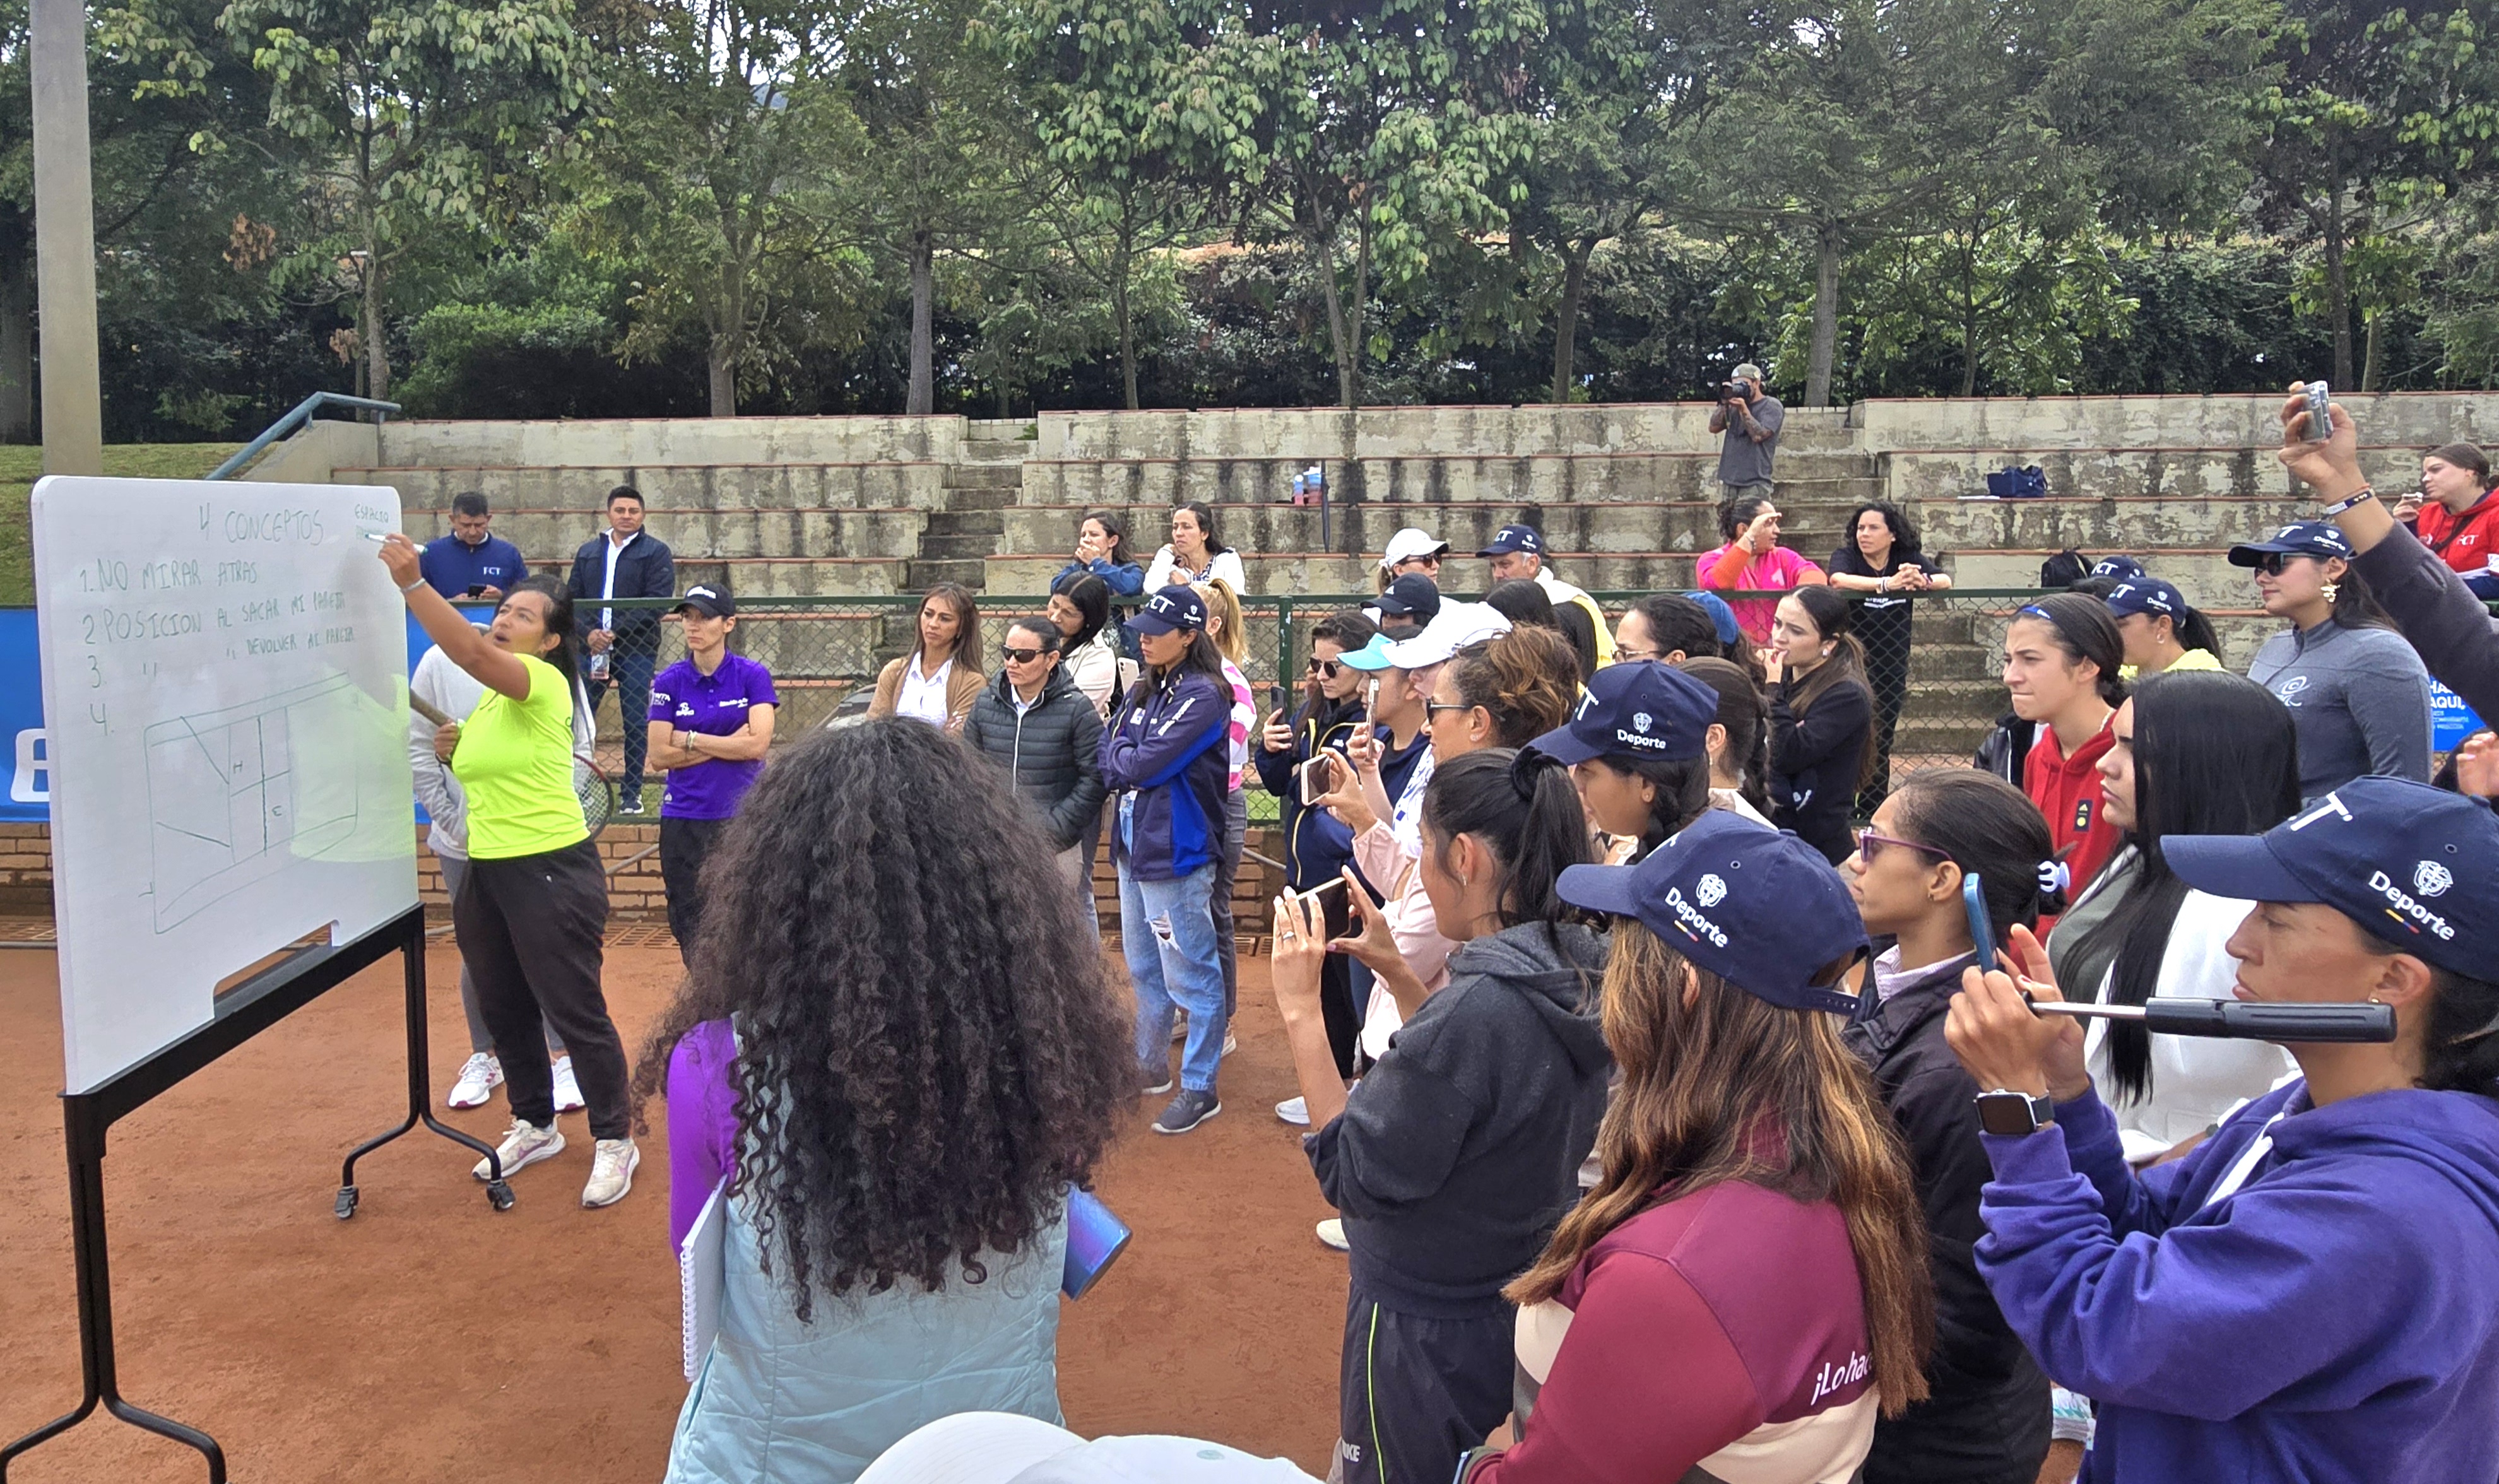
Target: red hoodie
2465	542
2068	792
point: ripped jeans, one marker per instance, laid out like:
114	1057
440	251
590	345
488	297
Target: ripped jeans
1167	935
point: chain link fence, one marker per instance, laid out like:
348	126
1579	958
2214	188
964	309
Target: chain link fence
1934	658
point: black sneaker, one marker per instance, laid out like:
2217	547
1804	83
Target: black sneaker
1187	1112
1153	1083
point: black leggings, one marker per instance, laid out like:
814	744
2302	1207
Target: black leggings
533	930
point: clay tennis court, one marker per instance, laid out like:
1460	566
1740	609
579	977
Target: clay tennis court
431	1339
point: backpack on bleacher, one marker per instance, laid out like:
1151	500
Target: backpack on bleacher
2027	482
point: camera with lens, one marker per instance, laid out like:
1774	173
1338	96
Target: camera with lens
1734	391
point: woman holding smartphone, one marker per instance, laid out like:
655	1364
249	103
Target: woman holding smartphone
533	913
1986	1421
1318	847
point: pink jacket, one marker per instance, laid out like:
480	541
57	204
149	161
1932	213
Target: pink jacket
1728	569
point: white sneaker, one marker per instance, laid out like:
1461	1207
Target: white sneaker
524	1145
1295	1111
1332	1234
1230	1044
479	1075
612	1163
568	1093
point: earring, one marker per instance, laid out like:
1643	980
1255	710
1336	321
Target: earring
1826	651
2330	589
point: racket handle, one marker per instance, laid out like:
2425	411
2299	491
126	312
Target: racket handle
2239	1020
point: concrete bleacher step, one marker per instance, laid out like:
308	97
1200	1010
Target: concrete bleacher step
666	487
2097	527
1299	572
2204	577
1542	478
833	577
551	535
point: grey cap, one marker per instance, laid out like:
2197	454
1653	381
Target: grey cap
1748	371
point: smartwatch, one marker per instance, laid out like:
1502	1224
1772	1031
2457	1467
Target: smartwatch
2016	1114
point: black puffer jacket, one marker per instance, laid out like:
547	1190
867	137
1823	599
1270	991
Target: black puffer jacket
1814	764
1987	1419
1048	751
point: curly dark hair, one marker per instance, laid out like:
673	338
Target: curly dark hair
929	1049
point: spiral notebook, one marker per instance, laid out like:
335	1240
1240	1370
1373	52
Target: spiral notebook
701	1266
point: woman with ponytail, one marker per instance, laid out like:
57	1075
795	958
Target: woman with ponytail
1986	1421
1740	742
2158	631
2194	754
1822	720
2062	656
1746	1286
1452	1160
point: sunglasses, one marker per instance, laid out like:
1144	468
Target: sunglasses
1022	656
2271	562
1435	708
1869	845
1325	669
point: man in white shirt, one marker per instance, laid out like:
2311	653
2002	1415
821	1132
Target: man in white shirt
624	561
1517	554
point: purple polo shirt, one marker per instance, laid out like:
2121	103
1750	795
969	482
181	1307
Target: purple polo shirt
690	700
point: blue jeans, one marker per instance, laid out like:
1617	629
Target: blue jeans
1167	934
629	665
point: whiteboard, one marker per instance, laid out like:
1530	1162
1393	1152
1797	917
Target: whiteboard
225	681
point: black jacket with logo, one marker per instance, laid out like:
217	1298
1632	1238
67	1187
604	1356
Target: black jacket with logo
1048	751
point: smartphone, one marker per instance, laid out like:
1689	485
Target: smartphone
1095	1238
1982	930
2321	418
476	589
1336	912
1314	778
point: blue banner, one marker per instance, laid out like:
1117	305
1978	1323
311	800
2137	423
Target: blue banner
22	714
2450	719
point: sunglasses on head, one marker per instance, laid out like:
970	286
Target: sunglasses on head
1022	656
1869	845
1325	669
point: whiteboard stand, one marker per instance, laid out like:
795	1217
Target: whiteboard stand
242	1013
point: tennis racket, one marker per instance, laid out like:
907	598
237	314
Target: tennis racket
597	791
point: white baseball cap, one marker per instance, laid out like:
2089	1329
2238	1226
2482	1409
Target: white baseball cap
1409	543
1455	627
1003	1448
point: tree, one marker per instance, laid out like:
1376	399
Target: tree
406	113
713	168
936	171
1101	74
1395	124
2380	108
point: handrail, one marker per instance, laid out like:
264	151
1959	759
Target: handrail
302	414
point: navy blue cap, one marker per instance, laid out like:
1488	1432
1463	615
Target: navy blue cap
2146	594
1636	709
1177	606
2122	568
1510	538
2308	539
709	601
1721	613
2387	853
1759	909
1414	596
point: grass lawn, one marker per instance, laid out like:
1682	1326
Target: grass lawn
20	465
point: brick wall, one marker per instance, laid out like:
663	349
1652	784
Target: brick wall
634	893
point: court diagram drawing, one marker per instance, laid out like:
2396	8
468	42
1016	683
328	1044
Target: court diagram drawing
237	794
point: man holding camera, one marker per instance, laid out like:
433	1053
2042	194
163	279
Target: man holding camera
1749	418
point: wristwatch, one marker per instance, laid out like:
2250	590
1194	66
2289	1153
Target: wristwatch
2014	1114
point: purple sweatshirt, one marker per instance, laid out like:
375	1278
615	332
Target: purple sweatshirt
702	1122
2334	1321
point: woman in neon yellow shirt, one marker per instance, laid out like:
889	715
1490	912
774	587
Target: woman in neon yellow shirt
533	913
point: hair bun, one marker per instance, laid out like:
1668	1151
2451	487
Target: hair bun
1525	763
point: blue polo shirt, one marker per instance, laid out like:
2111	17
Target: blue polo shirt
451	566
690	700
